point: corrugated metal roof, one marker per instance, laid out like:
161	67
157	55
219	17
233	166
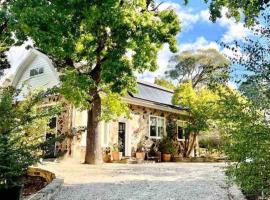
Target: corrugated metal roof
154	93
150	93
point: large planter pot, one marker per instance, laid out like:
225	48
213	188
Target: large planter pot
116	156
166	157
12	193
140	155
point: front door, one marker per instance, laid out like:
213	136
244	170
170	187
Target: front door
121	136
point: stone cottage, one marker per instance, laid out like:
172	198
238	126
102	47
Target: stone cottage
151	111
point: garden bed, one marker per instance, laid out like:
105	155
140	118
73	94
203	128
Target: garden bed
40	184
33	184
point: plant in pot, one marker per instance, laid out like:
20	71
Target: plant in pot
116	151
167	149
140	152
106	154
22	128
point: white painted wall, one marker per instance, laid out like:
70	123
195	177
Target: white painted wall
47	79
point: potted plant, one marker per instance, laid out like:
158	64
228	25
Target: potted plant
116	154
140	152
22	127
106	155
166	147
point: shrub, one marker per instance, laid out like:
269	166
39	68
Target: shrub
22	128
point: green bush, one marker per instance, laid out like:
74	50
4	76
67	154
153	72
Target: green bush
22	128
211	143
167	146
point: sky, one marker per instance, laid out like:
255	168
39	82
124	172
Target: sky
198	32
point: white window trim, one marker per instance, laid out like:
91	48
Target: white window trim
107	134
182	126
149	127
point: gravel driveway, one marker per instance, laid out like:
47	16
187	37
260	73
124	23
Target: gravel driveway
181	181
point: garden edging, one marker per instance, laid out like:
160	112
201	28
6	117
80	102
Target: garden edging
50	191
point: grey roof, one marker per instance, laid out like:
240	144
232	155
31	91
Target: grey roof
154	93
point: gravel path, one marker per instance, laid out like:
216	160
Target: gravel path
181	181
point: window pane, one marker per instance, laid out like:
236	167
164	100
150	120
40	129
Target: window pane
161	127
180	132
41	70
153	126
52	123
33	72
153	131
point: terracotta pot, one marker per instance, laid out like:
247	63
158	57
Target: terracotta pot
140	155
166	157
115	156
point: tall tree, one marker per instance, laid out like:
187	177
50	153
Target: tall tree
202	67
164	83
93	40
5	38
252	55
201	104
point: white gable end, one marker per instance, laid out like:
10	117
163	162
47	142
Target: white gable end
36	71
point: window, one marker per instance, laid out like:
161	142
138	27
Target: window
180	133
181	130
36	71
157	126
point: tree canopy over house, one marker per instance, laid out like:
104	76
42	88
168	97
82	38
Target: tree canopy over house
99	45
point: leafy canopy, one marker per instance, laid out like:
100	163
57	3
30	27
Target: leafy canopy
202	67
22	128
164	83
201	103
101	43
247	143
249	8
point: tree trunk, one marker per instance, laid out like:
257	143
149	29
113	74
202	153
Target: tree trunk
93	153
192	144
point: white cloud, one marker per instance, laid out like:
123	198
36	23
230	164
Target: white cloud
200	43
165	54
186	16
205	15
235	30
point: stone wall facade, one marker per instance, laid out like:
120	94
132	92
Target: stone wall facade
138	126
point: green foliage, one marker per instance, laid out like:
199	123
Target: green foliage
201	104
211	143
92	39
166	145
113	106
22	128
249	8
5	37
202	67
76	88
165	83
247	143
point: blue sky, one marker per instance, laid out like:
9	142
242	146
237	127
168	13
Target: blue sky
198	32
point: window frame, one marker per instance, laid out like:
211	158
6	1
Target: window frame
106	133
149	127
